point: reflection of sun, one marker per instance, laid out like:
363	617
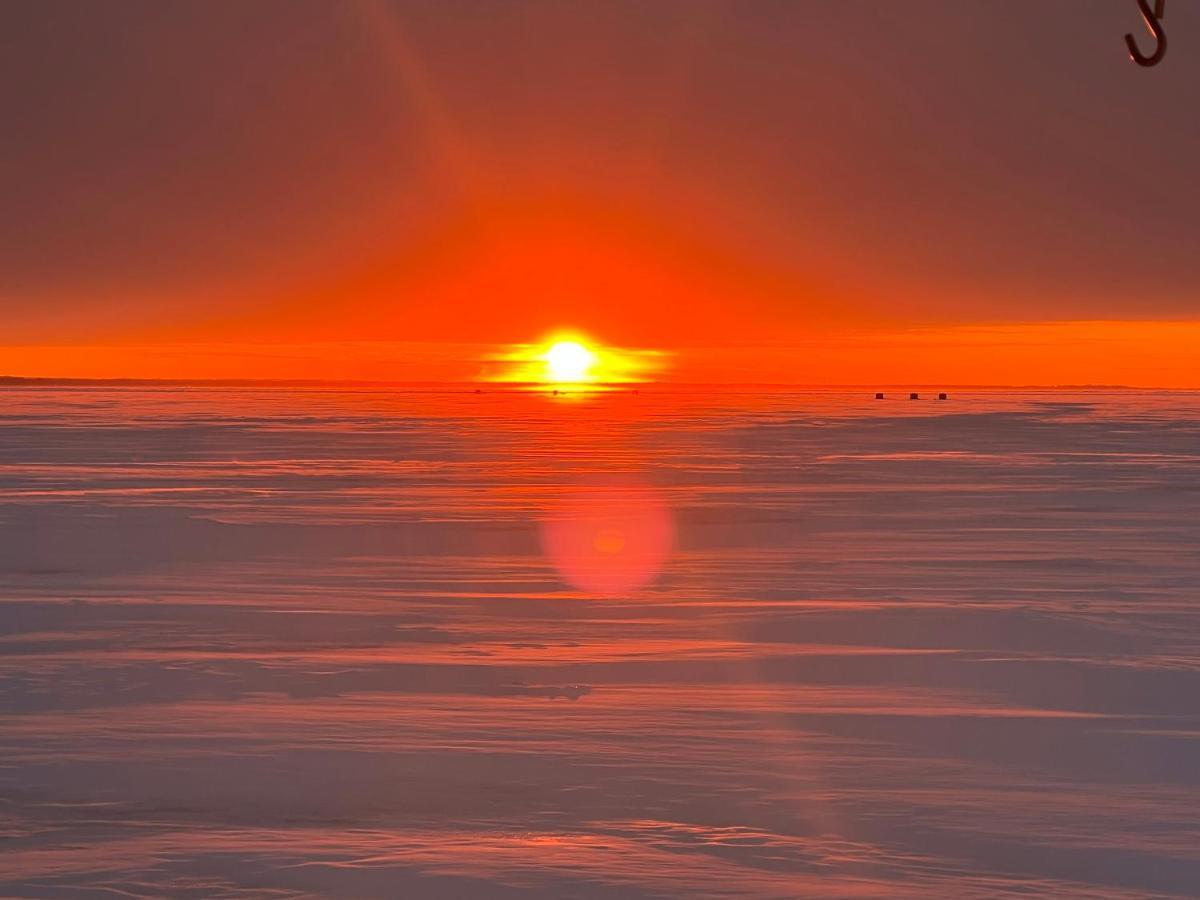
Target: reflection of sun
568	362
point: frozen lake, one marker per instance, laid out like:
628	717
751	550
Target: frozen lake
286	642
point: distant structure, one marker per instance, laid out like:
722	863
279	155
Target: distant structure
942	397
914	396
879	395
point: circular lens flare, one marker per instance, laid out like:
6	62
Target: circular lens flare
609	540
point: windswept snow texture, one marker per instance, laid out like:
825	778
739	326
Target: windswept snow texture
306	643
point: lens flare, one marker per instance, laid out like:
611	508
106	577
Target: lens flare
609	540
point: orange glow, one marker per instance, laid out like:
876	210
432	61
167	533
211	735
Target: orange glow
1136	354
472	290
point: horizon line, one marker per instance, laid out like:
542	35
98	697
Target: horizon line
499	387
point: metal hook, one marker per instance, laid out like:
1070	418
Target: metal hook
1152	22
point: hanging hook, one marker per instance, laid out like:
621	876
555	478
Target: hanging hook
1152	22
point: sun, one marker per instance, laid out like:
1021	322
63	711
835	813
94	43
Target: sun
569	362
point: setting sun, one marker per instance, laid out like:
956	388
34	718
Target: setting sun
569	362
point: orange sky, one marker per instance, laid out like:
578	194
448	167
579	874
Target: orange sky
798	192
1149	354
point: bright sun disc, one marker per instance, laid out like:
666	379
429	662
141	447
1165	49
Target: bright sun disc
569	361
